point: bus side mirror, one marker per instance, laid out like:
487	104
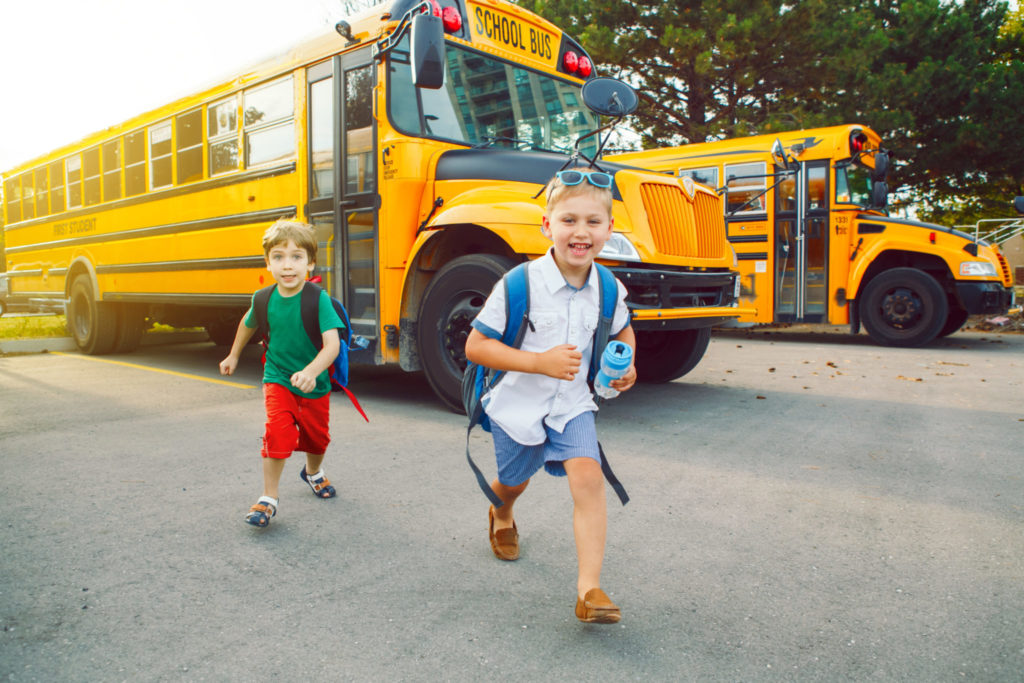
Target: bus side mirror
879	194
427	51
609	97
881	169
779	156
1018	204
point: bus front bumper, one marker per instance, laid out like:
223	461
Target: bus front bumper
985	298
686	318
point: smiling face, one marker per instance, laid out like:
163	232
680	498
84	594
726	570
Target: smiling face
289	264
578	224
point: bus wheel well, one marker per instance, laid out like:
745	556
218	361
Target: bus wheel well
929	263
450	243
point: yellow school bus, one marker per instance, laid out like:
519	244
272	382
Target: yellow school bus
806	214
417	139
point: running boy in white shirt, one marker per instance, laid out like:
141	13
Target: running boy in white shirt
542	412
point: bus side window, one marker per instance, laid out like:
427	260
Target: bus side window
12	195
42	192
112	170
746	183
57	186
188	129
91	171
160	155
134	163
28	196
785	193
706	176
222	131
74	167
269	130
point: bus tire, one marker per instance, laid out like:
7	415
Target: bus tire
903	307
130	325
222	331
452	299
954	321
93	324
662	356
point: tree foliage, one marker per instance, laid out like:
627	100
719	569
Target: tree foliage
942	82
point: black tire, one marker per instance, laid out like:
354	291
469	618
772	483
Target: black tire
954	321
93	324
131	320
222	331
903	307
453	298
665	356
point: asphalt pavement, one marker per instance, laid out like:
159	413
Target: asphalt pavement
804	507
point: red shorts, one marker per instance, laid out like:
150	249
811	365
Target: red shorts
295	423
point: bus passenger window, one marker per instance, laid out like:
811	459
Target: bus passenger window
12	195
188	129
111	170
74	166
746	188
28	196
57	186
42	192
160	155
816	181
269	132
134	163
91	171
705	176
222	131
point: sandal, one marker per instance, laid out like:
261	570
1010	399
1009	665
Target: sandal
262	511
319	483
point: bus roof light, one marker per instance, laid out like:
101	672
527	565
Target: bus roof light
436	7
584	66
571	61
931	237
452	19
858	141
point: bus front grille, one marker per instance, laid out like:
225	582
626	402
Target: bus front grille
1007	277
680	227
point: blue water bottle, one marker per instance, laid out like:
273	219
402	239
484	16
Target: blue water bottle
615	362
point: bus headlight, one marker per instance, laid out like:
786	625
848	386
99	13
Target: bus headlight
977	269
619	248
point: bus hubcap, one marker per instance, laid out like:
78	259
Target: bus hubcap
901	308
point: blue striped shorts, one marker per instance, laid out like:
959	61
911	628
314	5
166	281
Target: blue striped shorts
517	463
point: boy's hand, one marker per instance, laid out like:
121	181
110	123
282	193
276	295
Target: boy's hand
561	362
228	365
626	381
304	381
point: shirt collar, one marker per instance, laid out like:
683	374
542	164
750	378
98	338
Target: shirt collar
553	278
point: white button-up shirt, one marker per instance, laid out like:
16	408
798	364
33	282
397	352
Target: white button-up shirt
522	403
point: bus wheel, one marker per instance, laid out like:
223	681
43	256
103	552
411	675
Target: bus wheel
954	321
130	326
665	356
903	307
453	298
93	324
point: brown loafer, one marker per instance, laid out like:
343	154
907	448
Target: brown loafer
504	542
597	608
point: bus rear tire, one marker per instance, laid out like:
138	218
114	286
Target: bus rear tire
453	298
903	307
664	356
93	324
130	326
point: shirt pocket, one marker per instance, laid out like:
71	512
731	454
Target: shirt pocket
548	331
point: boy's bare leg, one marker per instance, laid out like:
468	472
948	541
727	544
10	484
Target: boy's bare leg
313	462
503	516
589	520
272	469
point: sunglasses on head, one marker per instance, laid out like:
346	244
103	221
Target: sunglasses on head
595	178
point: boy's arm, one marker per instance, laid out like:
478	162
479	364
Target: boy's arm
626	381
560	362
305	379
242	337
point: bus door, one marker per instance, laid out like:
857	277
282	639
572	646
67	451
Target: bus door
801	244
343	183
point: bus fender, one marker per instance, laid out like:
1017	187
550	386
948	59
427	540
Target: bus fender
79	266
871	256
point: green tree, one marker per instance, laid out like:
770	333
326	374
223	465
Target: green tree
940	81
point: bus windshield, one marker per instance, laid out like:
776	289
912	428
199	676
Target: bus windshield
486	101
853	184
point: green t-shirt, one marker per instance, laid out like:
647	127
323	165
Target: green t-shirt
290	348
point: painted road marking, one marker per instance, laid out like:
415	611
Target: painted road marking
238	385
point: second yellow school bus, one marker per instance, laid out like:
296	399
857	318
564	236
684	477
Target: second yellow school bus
422	196
805	211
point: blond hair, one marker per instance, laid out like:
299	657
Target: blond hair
558	191
284	229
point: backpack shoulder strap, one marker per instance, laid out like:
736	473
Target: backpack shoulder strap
517	305
608	291
260	304
310	307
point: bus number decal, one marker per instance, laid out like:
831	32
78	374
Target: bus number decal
501	29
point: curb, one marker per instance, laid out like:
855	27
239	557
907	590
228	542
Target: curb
47	344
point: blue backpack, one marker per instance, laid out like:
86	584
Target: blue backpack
477	380
310	310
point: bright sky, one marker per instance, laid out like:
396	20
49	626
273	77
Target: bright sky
73	67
